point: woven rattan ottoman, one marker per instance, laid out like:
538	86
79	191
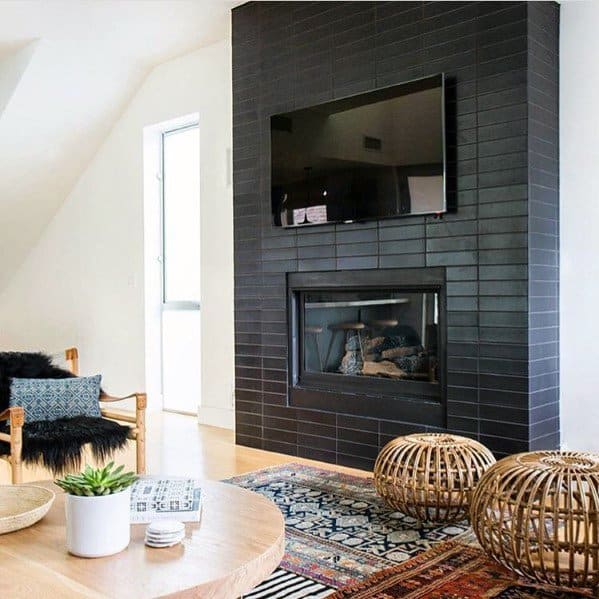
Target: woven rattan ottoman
538	514
431	476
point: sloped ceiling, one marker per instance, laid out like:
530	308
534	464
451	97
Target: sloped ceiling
67	70
12	66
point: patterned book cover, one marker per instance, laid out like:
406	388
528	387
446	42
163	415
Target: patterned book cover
157	498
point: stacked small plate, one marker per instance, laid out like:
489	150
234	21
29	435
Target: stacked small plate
164	533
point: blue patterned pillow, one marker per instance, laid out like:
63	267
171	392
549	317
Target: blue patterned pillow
49	399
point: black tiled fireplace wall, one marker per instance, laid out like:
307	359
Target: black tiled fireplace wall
500	248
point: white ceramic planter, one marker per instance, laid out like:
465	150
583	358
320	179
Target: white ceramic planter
98	526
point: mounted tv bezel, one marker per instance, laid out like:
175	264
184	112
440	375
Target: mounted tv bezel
356	100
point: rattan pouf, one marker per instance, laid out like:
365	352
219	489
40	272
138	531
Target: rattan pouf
537	514
431	476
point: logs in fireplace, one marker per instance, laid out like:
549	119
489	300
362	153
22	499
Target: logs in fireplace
368	332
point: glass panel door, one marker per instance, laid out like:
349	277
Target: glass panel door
181	378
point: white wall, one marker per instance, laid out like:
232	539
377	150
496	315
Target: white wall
579	224
83	283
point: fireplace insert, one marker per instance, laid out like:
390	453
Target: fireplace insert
368	332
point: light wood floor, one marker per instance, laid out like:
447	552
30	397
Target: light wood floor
178	446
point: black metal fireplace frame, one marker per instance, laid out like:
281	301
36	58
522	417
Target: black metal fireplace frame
345	393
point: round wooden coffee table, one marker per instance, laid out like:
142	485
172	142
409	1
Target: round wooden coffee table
238	543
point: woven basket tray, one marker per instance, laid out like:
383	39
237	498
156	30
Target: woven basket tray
22	506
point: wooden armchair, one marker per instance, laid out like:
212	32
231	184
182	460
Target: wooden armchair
17	418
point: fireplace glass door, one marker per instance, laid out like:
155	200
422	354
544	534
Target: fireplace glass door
391	334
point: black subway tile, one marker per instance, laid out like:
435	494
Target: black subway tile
498	245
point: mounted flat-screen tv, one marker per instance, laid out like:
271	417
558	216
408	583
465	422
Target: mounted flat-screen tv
375	155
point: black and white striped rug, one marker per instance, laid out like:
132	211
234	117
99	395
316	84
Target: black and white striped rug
282	583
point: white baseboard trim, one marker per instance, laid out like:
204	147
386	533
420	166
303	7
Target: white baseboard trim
220	417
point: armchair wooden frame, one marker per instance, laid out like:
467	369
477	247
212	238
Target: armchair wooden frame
17	417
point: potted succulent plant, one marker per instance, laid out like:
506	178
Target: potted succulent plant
97	510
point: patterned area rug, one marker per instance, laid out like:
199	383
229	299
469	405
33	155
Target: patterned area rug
452	570
338	530
343	542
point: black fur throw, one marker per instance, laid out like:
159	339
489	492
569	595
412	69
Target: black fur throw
56	444
24	365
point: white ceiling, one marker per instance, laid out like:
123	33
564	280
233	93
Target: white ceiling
67	70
